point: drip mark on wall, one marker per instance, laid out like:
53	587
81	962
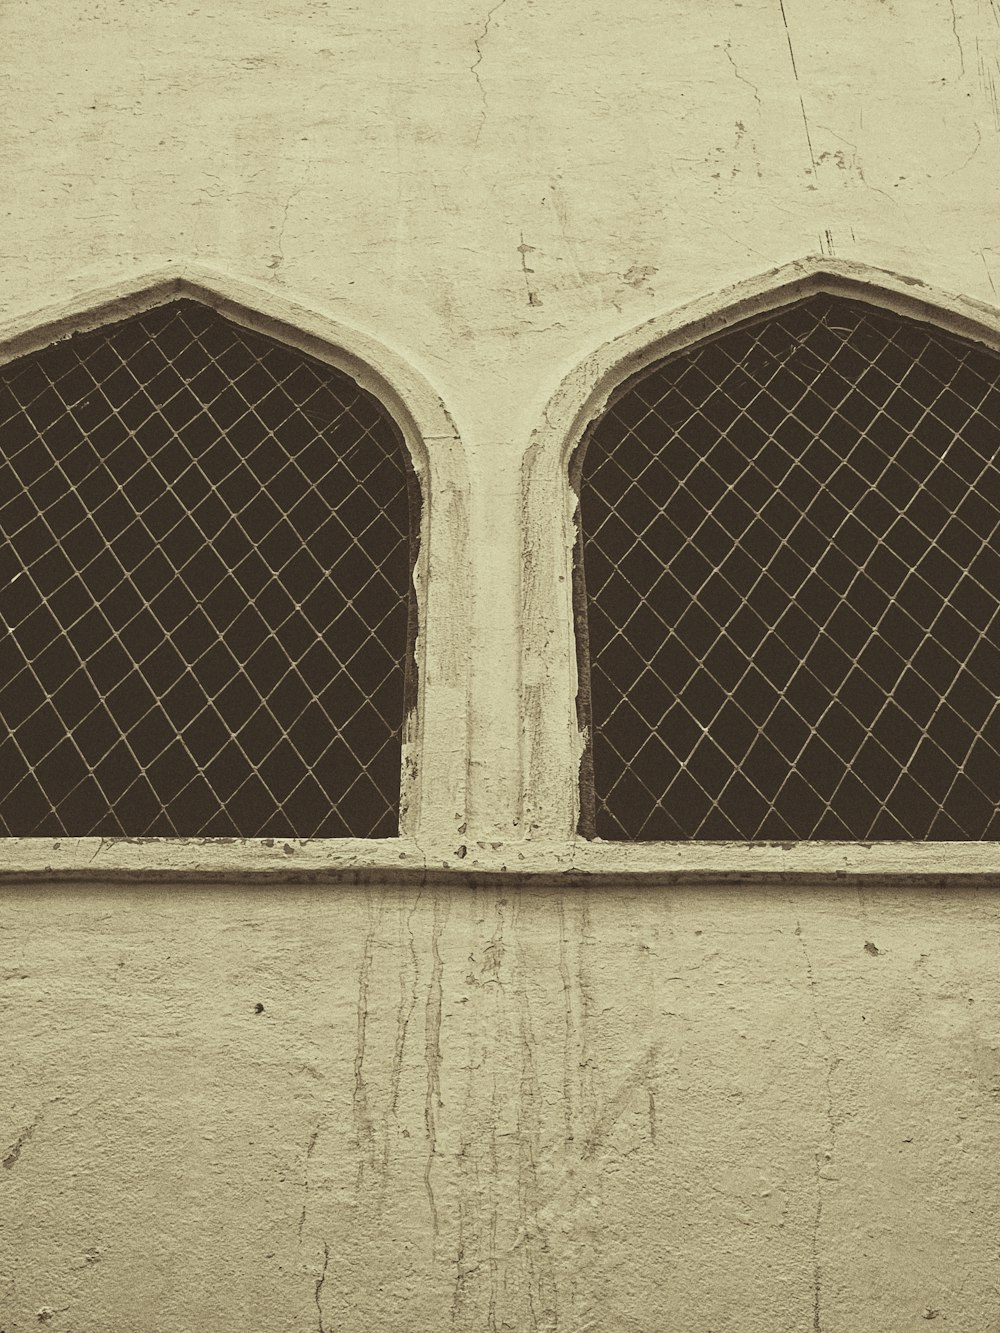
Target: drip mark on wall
541	1285
823	1158
432	1055
407	1004
319	1286
570	1045
362	1116
305	1182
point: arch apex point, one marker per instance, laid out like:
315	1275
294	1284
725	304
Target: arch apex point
391	376
586	388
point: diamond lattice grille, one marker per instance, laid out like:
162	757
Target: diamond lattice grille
792	570
204	588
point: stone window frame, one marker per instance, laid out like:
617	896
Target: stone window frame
553	745
435	736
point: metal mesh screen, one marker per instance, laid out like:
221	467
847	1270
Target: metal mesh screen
205	588
789	581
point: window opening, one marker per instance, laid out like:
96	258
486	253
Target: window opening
787	585
206	588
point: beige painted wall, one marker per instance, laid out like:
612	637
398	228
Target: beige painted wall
696	1109
618	1122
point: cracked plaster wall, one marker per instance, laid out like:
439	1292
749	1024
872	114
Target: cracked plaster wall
640	1110
483	1110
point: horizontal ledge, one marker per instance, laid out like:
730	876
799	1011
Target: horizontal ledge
573	861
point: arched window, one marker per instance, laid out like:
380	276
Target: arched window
206	587
787	585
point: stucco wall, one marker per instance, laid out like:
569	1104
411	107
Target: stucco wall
497	1108
759	1109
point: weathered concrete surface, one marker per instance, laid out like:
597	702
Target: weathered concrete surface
637	1110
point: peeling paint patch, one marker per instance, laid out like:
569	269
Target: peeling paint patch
524	250
639	274
12	1154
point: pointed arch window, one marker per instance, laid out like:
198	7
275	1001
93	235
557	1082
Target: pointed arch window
206	587
788	584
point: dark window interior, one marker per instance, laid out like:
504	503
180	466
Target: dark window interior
787	586
205	588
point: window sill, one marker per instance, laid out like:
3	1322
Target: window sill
569	862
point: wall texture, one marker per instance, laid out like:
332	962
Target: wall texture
509	1108
499	1109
